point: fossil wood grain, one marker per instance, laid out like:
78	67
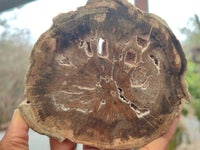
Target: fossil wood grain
107	75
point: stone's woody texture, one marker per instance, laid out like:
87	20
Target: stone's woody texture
107	75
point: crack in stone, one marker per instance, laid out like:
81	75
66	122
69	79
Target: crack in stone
122	97
140	112
84	88
64	108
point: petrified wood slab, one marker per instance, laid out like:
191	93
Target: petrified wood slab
107	75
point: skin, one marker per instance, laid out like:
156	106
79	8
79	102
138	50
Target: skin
16	137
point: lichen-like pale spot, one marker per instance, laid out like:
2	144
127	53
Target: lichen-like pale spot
107	75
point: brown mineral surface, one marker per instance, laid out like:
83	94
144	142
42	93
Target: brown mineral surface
107	75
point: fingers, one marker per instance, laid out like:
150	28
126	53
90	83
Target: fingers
65	145
17	133
162	142
86	147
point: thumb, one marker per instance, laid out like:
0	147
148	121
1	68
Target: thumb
16	137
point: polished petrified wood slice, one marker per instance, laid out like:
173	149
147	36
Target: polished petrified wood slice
107	75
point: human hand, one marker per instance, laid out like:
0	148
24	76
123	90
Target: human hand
16	138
